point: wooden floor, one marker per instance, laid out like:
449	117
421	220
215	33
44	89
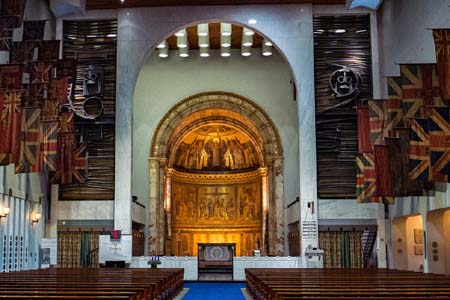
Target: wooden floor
123	284
345	284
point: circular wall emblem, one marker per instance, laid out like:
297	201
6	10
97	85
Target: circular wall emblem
344	81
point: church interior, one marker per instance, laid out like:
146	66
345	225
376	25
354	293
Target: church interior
301	147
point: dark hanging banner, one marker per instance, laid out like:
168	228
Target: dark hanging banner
342	61
93	44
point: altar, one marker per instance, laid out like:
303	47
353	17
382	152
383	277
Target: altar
190	264
216	259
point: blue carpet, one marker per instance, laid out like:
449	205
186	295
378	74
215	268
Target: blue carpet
214	291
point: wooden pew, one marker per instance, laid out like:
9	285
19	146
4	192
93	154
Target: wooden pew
327	284
130	284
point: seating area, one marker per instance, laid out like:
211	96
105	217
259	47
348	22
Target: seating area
123	284
345	284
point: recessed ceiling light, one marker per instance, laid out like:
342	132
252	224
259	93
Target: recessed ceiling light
225	29
226	45
203	29
204	52
267	53
128	13
162	45
246	50
252	21
182	32
111	35
248	32
340	30
360	31
268	43
225	54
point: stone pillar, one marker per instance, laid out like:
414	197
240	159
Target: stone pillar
153	198
265	208
276	208
307	137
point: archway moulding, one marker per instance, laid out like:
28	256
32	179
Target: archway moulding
194	112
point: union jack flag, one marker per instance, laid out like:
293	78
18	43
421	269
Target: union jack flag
79	165
420	90
360	198
442	43
440	143
41	72
49	133
29	156
377	120
419	150
10	124
58	90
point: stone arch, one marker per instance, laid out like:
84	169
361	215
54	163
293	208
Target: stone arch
228	108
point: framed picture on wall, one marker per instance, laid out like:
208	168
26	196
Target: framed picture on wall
418	236
418	250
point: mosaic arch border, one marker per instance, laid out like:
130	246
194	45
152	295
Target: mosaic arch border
168	132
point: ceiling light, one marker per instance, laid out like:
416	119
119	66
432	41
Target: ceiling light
225	40
248	31
162	45
225	29
340	30
204	52
91	36
182	32
111	35
164	52
320	30
203	29
268	43
184	52
225	51
266	50
182	41
360	31
203	41
247	40
246	50
122	1
252	21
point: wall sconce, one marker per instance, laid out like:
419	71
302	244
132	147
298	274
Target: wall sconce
4	212
35	217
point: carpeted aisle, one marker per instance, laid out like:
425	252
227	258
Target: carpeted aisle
214	291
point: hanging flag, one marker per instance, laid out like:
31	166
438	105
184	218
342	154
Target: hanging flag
29	156
41	72
377	120
33	30
13	8
23	52
49	134
66	146
10	77
360	197
49	50
79	165
395	111
67	68
382	171
439	122
58	90
10	124
419	151
364	139
420	90
442	43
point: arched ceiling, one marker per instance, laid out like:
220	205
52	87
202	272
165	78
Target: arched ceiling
111	4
